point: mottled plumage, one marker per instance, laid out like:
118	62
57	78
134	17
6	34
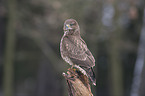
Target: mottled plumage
74	49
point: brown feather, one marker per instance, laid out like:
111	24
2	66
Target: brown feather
74	50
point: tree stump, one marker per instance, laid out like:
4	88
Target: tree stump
78	83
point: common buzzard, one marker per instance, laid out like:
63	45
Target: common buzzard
74	50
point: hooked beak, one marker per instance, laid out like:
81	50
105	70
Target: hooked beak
67	26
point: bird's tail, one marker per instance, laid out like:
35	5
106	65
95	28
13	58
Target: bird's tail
91	75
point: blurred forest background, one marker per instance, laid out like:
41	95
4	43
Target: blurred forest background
30	33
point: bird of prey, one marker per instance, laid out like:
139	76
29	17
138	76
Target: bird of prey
74	50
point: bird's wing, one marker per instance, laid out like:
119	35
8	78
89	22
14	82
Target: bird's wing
88	52
78	53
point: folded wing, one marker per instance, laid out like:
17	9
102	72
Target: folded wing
78	53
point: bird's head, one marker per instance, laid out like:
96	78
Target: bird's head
71	27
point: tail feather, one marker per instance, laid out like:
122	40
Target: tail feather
91	75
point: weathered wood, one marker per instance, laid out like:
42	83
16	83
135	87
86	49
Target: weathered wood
78	83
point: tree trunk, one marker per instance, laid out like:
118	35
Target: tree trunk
115	59
9	49
139	76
